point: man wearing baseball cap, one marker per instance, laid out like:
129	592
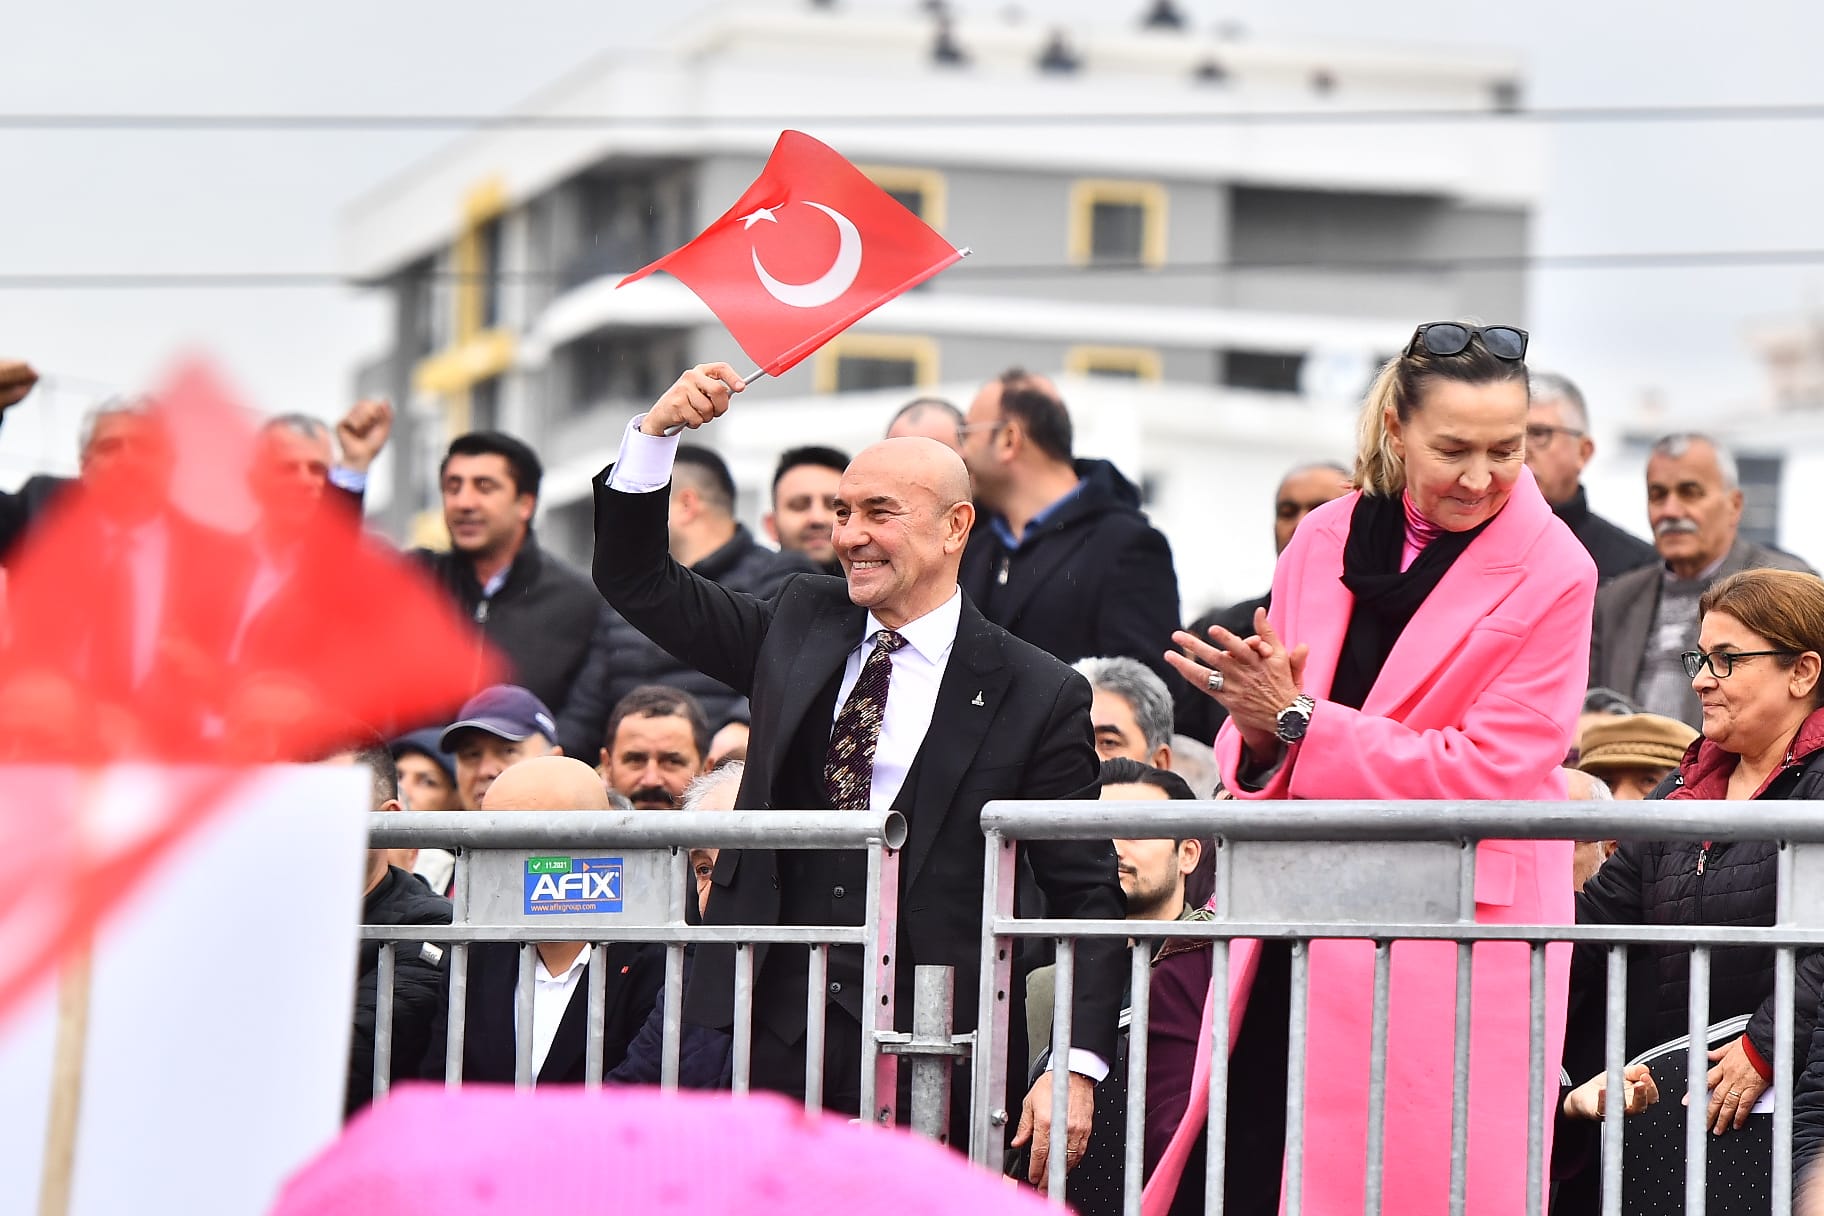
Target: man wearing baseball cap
497	728
427	782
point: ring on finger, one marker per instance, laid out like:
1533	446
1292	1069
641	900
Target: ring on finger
1214	683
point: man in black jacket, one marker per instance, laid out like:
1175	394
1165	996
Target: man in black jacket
537	611
1558	446
1065	558
889	692
703	536
394	897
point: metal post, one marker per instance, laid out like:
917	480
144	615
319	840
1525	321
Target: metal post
595	1048
880	948
458	1014
1697	1089
933	1018
383	1021
988	1088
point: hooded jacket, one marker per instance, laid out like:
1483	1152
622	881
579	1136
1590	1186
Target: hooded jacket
1090	577
545	620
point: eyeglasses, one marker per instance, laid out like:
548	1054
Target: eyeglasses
1722	662
1540	435
1448	338
969	428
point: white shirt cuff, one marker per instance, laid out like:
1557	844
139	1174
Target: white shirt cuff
1088	1064
352	480
644	463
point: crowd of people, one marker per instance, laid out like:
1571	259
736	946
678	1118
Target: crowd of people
970	610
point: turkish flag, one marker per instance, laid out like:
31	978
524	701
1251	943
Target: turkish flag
812	247
142	683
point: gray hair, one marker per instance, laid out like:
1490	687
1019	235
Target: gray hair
1143	690
1550	386
1195	761
1595	788
112	407
1678	443
700	788
298	424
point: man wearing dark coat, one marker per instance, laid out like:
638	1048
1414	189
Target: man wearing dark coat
1062	557
891	691
1558	447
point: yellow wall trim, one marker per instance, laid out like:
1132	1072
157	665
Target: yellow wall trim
1150	197
460	368
920	351
1142	362
931	185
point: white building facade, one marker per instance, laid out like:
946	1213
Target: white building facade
1186	228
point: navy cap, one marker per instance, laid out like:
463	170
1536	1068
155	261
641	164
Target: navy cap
507	710
428	743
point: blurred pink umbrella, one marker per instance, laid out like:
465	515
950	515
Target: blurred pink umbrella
495	1149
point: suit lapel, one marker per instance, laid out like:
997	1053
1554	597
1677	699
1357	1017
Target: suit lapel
968	698
835	632
1637	623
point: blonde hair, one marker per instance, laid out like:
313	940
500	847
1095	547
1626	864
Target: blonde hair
1402	380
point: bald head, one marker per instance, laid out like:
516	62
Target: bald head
547	783
903	515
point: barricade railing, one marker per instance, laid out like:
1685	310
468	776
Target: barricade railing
527	877
1385	872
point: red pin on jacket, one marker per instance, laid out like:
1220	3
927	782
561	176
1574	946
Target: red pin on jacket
809	249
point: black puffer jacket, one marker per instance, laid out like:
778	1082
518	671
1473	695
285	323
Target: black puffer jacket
622	658
1718	883
418	983
1094	579
546	620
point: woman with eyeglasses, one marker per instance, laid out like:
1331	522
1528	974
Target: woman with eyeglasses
1756	674
1428	639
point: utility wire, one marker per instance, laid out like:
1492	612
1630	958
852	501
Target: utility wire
283	280
1314	116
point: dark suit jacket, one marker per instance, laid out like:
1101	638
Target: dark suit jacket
1093	579
1010	722
636	974
1625	607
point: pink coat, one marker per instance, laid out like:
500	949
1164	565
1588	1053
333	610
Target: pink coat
1478	699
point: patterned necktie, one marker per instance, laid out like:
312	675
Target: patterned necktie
848	770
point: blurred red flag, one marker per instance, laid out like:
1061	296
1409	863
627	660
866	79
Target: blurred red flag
148	624
812	247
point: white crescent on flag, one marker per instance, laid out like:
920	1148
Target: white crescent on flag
826	287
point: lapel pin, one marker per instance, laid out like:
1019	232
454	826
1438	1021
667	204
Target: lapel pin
978	699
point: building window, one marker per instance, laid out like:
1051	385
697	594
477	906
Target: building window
1114	362
920	191
1263	371
1117	222
1760	498
859	362
620	365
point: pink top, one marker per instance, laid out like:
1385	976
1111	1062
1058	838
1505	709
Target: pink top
1419	532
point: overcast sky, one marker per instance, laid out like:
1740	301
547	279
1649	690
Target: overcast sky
123	202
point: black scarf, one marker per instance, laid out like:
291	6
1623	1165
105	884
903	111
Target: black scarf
1386	597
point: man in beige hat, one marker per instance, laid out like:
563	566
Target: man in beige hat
1631	754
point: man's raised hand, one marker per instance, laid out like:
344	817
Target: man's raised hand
363	432
16	380
701	395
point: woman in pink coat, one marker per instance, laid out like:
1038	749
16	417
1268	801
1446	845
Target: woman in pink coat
1428	639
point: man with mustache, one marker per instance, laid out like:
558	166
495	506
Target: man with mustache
1647	617
657	740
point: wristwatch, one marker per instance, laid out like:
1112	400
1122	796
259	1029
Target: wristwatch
1294	720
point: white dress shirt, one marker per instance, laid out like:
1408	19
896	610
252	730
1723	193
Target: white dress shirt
550	998
644	465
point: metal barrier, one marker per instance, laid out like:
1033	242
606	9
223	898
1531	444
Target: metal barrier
1288	872
510	886
1299	872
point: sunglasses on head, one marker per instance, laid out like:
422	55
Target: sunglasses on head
1446	338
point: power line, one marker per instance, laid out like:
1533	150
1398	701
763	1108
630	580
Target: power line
1319	117
290	280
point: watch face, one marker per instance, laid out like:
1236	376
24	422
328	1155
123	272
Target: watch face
1292	723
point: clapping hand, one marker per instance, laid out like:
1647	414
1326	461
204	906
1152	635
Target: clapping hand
1254	678
1588	1100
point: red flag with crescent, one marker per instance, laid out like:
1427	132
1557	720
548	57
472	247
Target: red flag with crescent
811	247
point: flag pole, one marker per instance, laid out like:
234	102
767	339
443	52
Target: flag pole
67	1067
